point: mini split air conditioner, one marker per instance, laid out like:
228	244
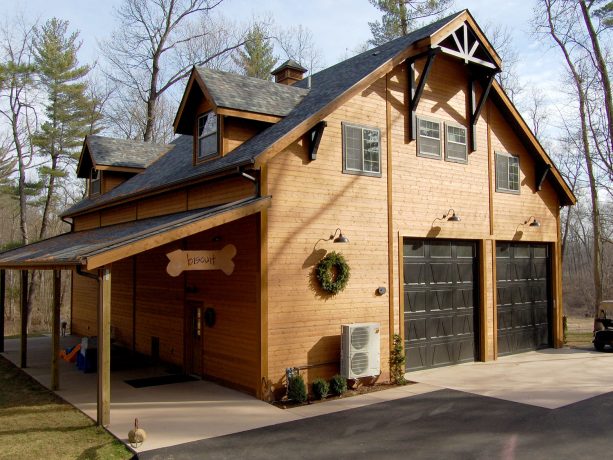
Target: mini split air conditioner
360	350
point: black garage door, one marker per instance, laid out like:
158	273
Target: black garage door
522	276
439	302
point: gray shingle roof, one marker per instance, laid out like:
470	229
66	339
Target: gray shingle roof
123	152
177	166
250	94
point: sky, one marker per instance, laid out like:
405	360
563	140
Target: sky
338	26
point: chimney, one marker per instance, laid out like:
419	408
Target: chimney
289	72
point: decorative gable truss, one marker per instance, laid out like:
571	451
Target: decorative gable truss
467	43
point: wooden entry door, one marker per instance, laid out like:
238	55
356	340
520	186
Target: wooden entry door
194	312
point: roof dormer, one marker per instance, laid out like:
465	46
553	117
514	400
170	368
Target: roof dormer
107	162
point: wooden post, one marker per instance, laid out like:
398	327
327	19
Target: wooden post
24	318
2	307
104	348
55	329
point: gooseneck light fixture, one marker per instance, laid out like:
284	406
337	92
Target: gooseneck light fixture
449	216
531	222
335	239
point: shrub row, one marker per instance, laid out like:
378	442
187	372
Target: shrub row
296	388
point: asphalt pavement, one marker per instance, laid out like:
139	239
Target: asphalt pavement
444	424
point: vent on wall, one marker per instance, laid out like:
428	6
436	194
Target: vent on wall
360	350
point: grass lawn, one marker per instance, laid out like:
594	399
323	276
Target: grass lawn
579	339
35	423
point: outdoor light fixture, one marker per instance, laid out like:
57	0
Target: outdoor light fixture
450	216
340	238
335	239
533	222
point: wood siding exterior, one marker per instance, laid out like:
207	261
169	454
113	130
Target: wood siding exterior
311	200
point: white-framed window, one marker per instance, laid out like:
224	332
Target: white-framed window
428	138
94	182
455	143
507	173
207	136
361	150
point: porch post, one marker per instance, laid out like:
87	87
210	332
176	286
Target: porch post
104	348
55	329
2	307
24	318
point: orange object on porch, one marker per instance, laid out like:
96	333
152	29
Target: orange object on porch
70	354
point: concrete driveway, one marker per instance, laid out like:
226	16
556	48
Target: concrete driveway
548	378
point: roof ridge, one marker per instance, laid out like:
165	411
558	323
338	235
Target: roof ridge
256	80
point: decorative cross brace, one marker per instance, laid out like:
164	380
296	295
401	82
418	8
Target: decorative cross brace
314	138
415	92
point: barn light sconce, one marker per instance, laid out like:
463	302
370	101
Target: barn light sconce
335	239
532	222
450	216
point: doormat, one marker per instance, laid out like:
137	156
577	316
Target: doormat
161	380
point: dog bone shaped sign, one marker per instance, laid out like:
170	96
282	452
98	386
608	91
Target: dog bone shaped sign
181	261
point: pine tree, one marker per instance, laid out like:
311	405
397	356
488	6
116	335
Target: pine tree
257	59
68	110
401	17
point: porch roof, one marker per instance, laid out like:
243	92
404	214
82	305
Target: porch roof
96	247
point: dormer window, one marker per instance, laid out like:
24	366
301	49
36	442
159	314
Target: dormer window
207	136
94	182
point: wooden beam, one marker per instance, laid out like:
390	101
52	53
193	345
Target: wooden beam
390	213
24	319
540	179
263	284
266	118
104	348
314	138
55	329
475	107
415	92
2	307
154	241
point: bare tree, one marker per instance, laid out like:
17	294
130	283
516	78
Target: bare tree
156	44
16	84
297	43
558	20
502	41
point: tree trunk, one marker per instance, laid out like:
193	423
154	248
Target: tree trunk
152	100
21	182
48	200
577	80
601	66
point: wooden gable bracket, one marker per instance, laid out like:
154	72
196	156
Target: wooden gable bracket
475	107
415	92
541	176
314	138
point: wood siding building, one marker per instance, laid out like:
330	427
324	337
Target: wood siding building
450	205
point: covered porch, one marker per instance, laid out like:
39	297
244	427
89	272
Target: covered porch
91	254
170	414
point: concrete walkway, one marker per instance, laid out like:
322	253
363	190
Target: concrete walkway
185	412
180	412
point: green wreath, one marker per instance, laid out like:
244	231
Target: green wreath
332	273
